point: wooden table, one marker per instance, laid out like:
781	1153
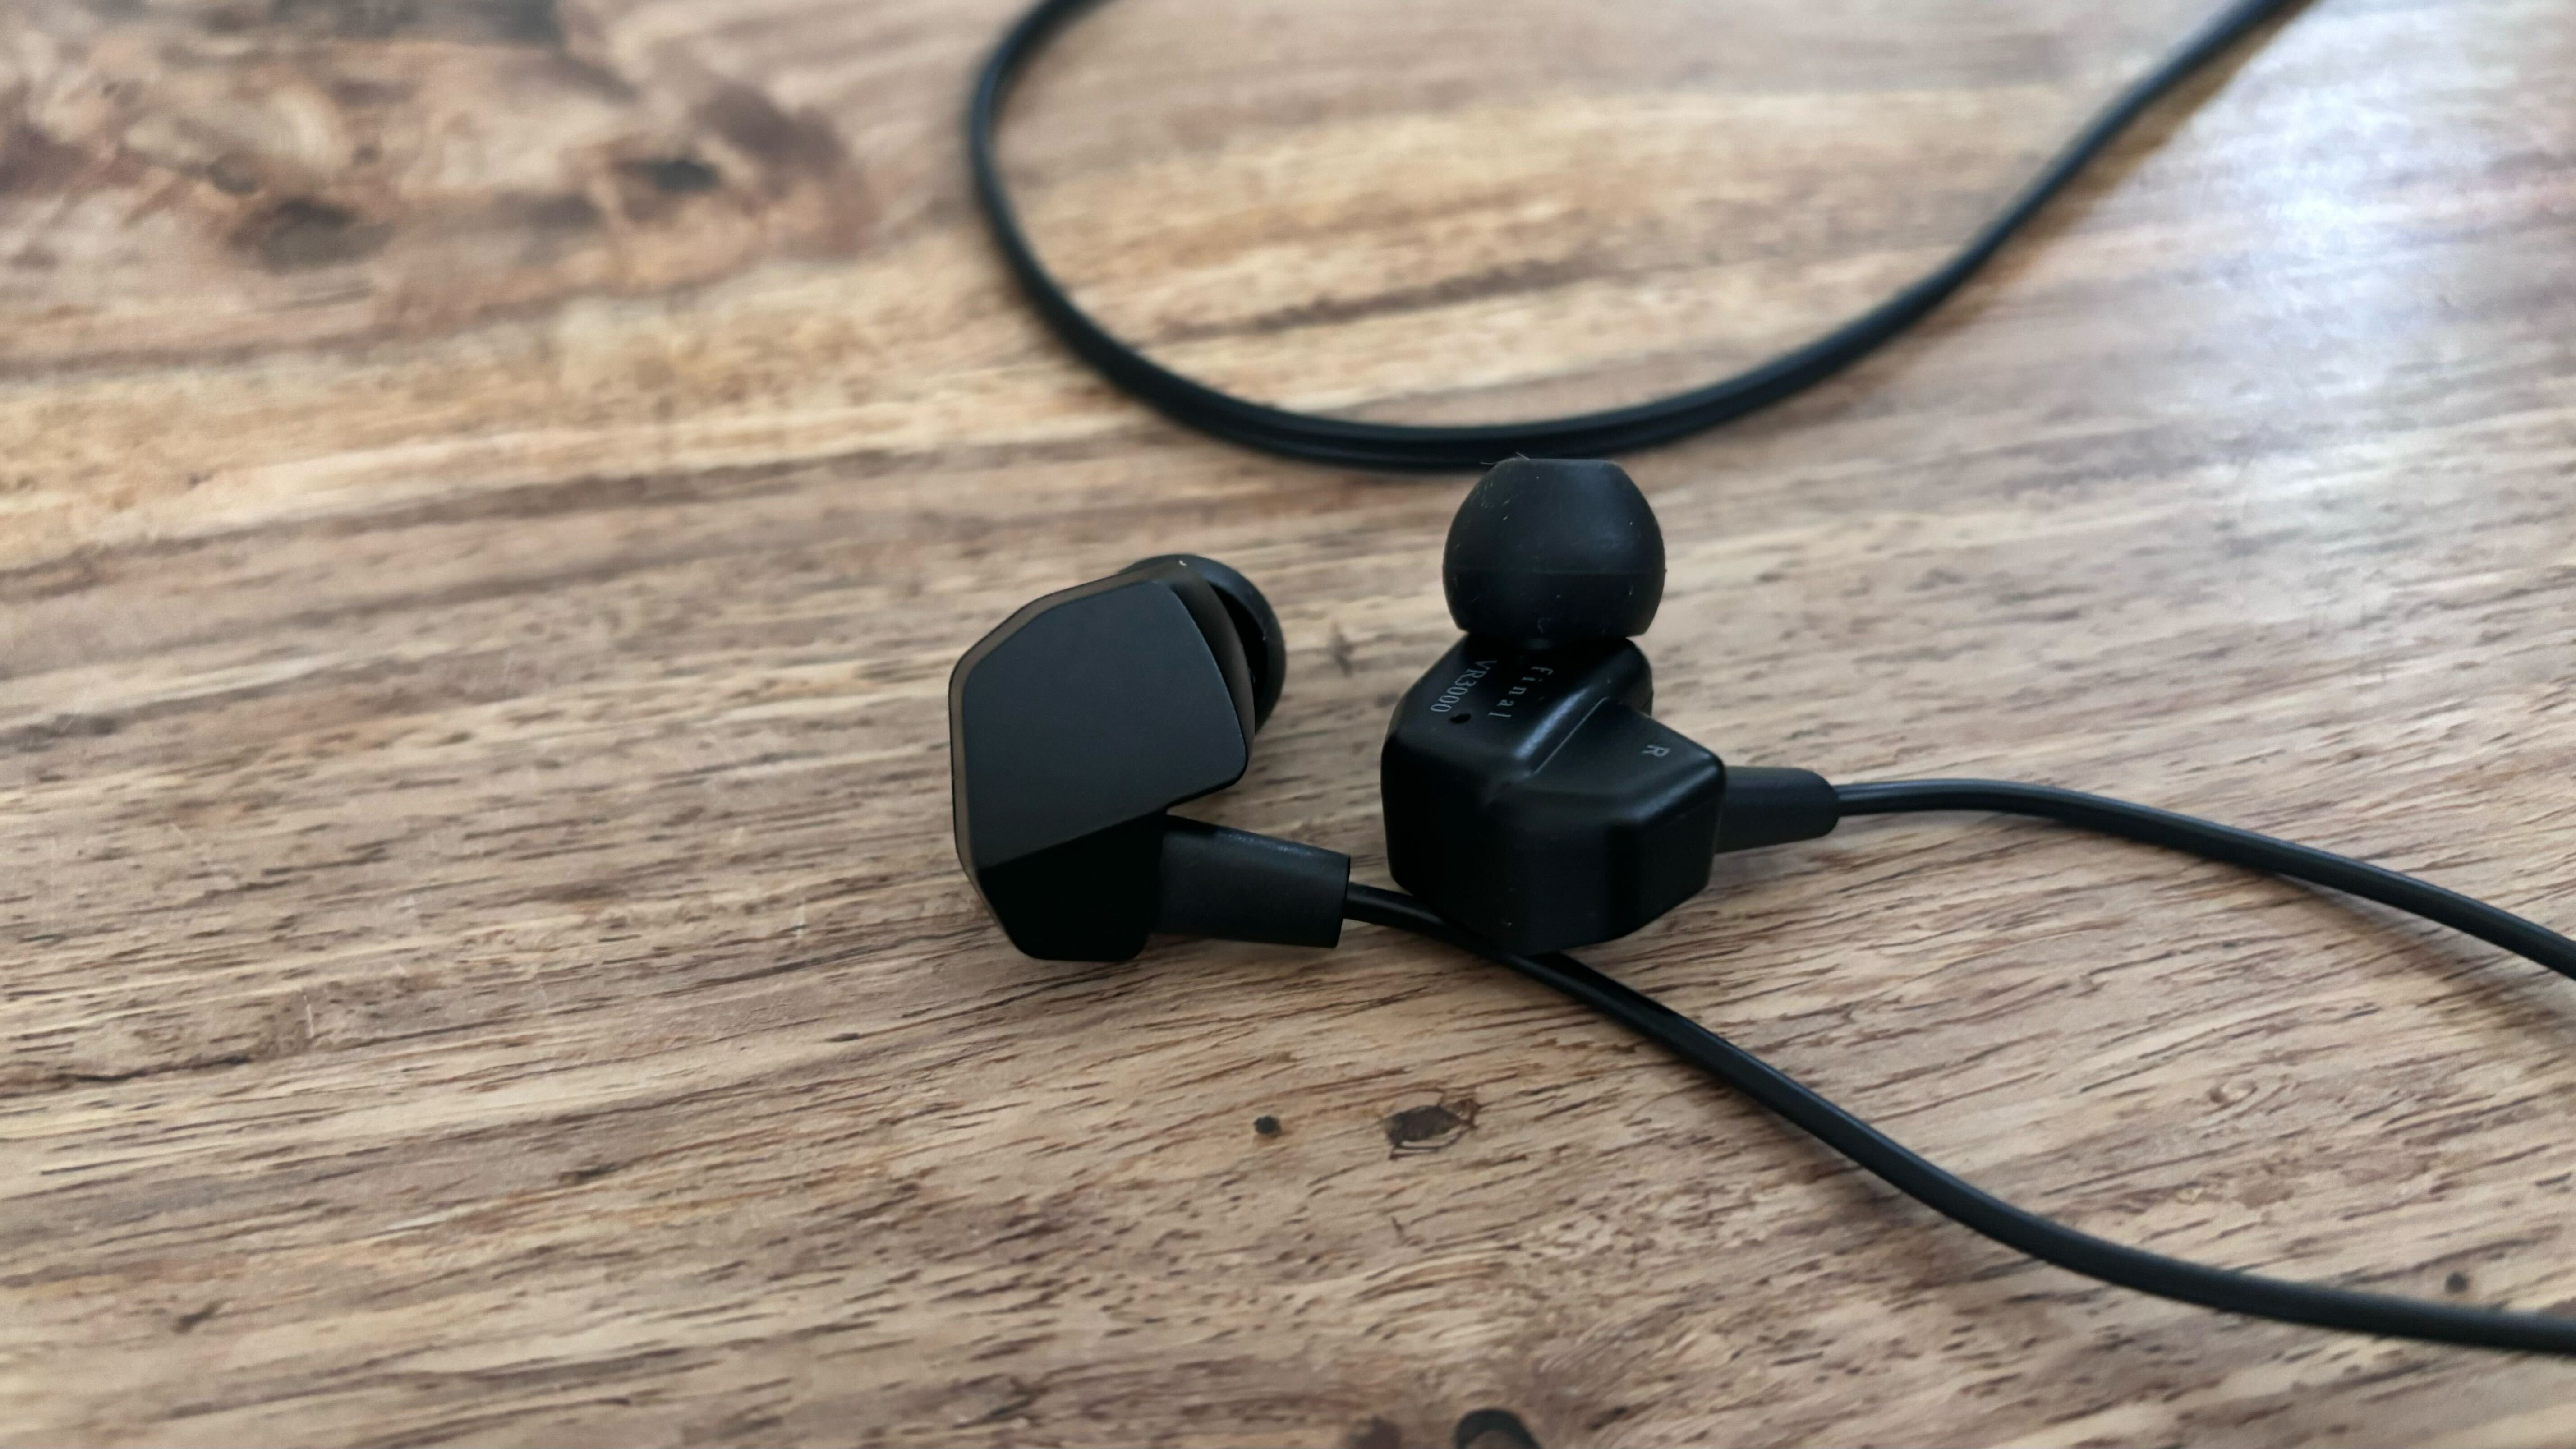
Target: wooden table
491	491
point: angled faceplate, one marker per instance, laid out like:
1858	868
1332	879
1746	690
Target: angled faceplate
1084	710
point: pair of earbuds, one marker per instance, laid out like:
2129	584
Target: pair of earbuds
1532	804
1530	794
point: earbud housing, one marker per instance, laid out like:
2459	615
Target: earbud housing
1082	719
1530	797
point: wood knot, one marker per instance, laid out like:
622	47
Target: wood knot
1430	1128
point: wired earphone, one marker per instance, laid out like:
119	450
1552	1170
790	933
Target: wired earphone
1532	803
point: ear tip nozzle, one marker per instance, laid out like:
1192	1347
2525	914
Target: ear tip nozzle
1557	550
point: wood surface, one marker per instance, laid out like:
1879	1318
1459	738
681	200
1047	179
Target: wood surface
491	491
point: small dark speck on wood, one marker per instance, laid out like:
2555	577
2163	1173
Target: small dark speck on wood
1431	1128
2456	1283
1266	1125
676	175
187	1322
1377	1433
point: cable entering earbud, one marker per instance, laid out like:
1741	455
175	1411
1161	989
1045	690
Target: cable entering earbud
1775	807
1233	885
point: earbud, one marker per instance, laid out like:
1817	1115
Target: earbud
1547	552
1076	724
1529	795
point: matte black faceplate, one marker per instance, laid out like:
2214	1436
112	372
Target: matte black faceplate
1084	713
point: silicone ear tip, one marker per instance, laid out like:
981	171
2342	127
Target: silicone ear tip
1265	649
1554	551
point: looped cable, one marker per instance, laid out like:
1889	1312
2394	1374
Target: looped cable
1414	448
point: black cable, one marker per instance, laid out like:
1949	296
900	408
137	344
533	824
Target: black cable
2101	814
1981	1212
1590	435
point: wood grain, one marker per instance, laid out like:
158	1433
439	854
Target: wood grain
490	492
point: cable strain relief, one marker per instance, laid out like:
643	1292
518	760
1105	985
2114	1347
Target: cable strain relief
1233	885
1774	807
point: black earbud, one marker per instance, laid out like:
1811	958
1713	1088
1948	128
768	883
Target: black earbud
1529	795
1081	720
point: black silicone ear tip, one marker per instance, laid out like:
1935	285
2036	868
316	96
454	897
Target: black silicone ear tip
1265	649
1548	551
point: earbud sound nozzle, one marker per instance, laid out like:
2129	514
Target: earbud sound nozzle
1554	551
